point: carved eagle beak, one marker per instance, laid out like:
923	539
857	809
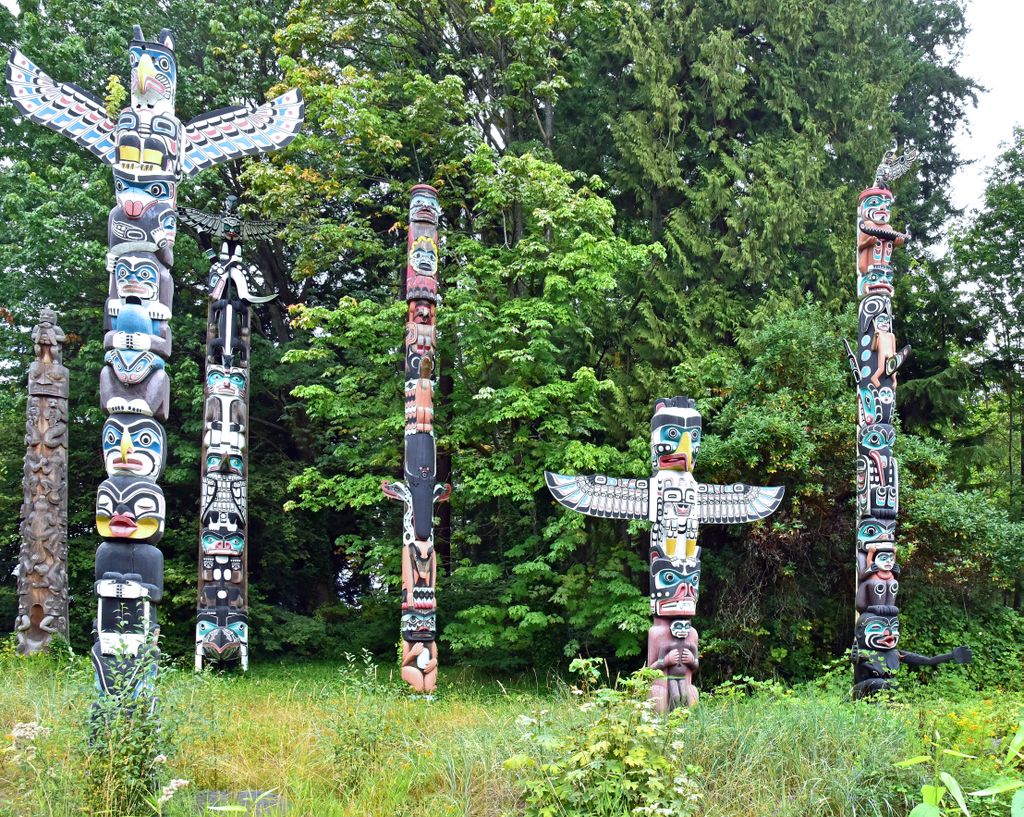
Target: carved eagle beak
126	446
686	448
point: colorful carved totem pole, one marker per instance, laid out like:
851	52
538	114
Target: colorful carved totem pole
420	490
149	151
222	621
676	504
43	565
874	366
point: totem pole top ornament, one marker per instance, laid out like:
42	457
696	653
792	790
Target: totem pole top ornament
874	365
148	138
676	504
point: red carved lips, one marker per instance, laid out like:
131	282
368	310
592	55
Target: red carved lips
889	640
122	525
129	464
880	287
672	460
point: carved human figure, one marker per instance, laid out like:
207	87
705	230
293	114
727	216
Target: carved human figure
672	647
876	657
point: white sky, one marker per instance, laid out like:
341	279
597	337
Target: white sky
994	57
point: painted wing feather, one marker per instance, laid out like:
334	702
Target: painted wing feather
733	504
199	221
602	496
60	106
260	230
231	133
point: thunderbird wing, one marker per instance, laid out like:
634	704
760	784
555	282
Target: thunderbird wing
60	106
200	221
231	133
598	495
733	504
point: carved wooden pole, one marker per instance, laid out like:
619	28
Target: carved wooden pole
676	505
149	151
874	366
42	568
420	490
222	620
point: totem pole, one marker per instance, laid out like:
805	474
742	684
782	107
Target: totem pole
222	621
676	504
420	490
149	151
43	565
874	367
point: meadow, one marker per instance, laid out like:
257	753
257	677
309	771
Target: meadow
347	740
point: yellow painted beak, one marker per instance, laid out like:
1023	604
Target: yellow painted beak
146	71
686	447
126	445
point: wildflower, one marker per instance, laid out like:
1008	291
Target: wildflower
160	759
24	734
170	789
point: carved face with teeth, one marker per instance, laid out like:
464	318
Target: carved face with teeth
133	446
226	382
674	586
423	256
675	435
130	508
217	543
877	632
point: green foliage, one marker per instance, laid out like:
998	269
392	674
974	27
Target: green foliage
618	760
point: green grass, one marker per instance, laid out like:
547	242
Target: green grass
348	741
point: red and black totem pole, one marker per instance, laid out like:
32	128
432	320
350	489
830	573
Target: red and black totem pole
420	490
874	364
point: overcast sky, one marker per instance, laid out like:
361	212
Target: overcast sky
994	57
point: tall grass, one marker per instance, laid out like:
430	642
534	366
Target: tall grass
349	741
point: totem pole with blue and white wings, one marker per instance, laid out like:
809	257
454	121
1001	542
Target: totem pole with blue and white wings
149	151
676	504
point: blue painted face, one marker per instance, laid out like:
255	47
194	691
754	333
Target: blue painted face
138	193
670	449
215	462
221	380
223	544
137	277
133	446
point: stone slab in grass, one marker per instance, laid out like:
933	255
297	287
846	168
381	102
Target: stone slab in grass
251	802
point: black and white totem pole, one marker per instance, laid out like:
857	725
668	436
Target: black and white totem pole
43	563
676	505
420	490
149	151
222	619
874	364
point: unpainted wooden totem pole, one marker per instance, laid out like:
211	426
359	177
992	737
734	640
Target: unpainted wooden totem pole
222	620
676	504
149	151
43	563
420	491
874	364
